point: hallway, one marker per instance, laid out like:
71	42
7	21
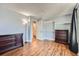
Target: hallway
41	48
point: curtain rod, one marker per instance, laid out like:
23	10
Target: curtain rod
76	6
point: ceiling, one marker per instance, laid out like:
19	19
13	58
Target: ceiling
41	10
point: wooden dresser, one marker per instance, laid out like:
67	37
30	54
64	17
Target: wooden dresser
11	41
61	36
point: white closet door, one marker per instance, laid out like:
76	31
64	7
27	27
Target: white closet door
45	30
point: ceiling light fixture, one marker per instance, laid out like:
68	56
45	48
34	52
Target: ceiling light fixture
26	14
24	21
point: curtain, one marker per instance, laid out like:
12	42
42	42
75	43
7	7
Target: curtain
73	34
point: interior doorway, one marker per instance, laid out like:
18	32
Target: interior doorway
34	30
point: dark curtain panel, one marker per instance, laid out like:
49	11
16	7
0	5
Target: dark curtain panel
73	34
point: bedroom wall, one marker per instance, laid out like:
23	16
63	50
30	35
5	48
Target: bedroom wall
11	22
63	22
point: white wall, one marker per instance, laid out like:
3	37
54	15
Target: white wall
11	22
29	31
62	27
60	22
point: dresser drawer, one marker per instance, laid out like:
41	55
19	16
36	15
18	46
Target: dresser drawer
11	41
61	36
7	37
6	42
6	47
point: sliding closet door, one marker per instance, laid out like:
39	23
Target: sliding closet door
73	34
45	30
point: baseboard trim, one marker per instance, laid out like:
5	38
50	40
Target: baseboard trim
28	41
47	39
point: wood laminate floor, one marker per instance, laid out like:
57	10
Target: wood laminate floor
41	48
